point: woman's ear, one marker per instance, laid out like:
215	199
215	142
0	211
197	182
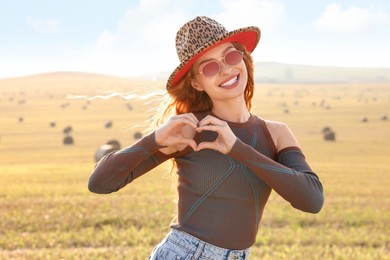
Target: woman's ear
196	86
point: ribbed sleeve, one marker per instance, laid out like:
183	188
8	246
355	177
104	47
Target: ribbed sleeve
117	169
290	175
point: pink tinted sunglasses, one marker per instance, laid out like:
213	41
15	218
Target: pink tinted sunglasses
212	68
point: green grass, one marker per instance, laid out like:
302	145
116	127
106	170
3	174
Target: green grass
46	211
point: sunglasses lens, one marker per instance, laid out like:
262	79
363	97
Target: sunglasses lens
233	58
210	69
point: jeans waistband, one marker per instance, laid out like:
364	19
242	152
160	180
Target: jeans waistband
204	249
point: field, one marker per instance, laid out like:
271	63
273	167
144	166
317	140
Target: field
47	212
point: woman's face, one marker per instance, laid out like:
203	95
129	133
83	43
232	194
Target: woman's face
231	80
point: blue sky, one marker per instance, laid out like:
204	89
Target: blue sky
133	37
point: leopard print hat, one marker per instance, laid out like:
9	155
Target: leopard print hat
202	33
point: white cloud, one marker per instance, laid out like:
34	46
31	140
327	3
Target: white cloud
143	40
352	19
45	27
107	39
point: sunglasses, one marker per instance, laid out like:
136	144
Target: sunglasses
212	68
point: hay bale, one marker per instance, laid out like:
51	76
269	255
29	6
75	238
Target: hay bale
68	129
108	124
68	140
137	135
65	105
330	136
114	143
52	124
103	150
384	118
21	119
364	120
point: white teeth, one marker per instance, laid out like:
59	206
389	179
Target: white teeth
230	82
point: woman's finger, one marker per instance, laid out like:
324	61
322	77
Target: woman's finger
184	121
214	128
211	120
190	142
189	116
205	145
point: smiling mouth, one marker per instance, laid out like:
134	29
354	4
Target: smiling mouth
230	82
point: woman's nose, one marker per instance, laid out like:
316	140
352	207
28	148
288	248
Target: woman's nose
224	69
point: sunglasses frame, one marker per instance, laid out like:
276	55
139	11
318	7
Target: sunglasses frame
218	62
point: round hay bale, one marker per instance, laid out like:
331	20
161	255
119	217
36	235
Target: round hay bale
330	136
103	150
21	119
137	135
364	120
108	124
384	118
52	124
67	129
115	143
68	140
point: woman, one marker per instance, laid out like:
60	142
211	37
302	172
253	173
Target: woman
227	159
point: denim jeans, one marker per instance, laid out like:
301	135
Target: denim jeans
178	245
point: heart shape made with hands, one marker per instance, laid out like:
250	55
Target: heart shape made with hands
180	131
223	141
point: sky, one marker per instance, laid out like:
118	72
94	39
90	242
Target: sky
137	37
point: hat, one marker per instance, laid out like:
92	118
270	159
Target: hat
197	36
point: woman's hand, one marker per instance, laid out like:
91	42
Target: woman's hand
179	130
226	138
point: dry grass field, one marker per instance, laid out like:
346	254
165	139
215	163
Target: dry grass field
46	211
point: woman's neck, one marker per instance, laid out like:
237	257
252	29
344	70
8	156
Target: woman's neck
231	112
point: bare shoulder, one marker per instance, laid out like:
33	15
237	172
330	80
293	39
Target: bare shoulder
281	134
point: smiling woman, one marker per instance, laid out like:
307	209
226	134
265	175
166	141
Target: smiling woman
227	159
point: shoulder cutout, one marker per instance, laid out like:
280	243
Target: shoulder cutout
281	134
